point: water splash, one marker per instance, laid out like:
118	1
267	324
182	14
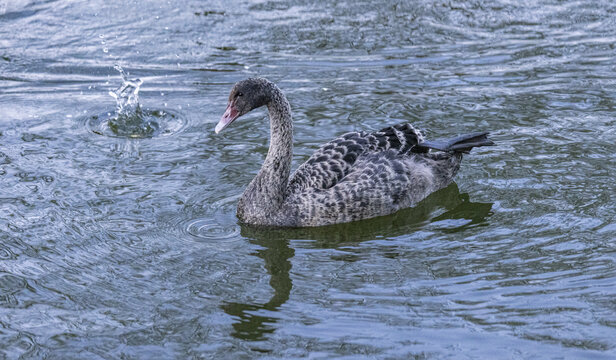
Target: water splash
127	95
129	119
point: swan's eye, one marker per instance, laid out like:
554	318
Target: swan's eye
240	94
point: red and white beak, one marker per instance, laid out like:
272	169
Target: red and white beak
230	114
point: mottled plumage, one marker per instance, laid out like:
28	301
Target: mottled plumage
356	176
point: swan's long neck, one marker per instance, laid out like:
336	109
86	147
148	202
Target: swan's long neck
267	191
277	165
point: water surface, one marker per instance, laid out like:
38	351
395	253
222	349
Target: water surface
114	247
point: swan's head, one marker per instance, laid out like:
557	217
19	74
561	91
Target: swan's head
245	96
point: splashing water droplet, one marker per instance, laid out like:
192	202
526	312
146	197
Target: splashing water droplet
127	95
129	119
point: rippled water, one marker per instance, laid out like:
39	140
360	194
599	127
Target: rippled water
112	247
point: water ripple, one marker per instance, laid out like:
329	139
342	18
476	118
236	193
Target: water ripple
153	123
111	246
206	229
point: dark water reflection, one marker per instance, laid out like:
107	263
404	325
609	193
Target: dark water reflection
276	255
121	248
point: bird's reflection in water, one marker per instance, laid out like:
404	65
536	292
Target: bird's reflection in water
446	205
276	255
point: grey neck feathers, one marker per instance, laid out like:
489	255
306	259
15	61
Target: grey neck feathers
267	191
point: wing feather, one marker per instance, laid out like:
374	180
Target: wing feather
333	161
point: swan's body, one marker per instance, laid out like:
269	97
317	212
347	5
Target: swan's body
356	176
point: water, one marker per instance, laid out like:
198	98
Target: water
123	243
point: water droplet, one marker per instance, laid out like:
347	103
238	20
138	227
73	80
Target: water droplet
105	50
101	36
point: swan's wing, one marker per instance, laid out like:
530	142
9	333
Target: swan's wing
330	163
336	159
379	184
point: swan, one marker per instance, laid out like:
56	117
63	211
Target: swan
358	175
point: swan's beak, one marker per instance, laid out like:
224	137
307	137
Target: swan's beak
227	118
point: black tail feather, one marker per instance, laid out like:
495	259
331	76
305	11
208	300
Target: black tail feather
462	143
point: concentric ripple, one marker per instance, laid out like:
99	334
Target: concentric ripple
149	124
208	229
204	222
